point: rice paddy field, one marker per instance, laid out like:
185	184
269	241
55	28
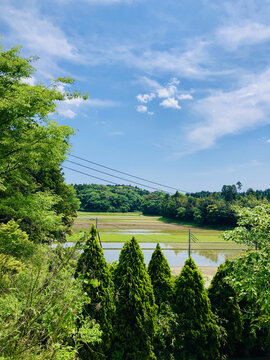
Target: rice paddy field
208	250
120	227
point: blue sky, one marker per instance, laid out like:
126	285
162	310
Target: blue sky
179	90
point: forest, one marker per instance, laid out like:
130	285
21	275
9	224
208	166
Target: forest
203	208
69	303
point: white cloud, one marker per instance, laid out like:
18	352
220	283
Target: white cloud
67	113
141	108
185	97
150	113
166	92
268	140
145	98
169	92
247	34
101	103
170	103
30	80
232	112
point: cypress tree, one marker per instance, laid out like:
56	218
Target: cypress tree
93	271
135	306
198	334
224	304
160	274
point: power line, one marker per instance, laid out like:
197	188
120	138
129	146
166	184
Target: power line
117	177
108	181
124	173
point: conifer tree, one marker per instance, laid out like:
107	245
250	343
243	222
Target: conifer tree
224	304
135	306
93	271
160	274
198	334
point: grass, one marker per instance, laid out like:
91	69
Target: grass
120	227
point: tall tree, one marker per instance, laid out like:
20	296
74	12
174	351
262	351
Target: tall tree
93	271
249	274
225	305
198	334
160	274
29	143
135	306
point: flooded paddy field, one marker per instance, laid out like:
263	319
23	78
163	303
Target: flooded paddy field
209	250
120	227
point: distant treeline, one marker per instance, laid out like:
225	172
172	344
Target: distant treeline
203	208
110	198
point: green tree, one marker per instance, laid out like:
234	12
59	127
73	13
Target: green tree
249	274
29	143
93	272
160	274
225	305
135	306
198	336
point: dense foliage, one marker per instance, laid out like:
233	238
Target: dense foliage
202	208
160	274
225	305
93	272
32	147
109	198
198	336
135	306
249	274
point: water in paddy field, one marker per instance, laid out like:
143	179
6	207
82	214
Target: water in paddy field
175	253
204	254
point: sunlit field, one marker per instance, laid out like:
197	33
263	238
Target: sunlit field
120	227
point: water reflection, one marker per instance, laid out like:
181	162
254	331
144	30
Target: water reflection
176	253
178	257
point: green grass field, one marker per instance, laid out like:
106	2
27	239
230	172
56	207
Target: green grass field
120	227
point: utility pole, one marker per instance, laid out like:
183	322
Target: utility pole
97	230
189	243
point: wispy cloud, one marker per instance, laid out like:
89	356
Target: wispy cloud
249	33
38	34
232	112
103	2
68	107
68	113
